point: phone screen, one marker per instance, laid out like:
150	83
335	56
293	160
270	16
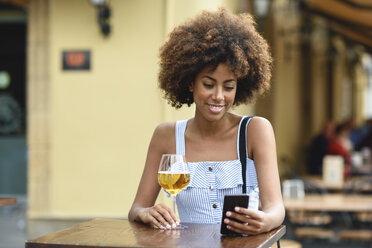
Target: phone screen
229	203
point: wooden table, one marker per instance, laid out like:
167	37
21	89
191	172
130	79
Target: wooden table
123	233
346	186
318	181
365	169
331	203
7	201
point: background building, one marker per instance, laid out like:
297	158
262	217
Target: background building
83	133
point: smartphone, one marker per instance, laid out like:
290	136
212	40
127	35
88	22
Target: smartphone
229	203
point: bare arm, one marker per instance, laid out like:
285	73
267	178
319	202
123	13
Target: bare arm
143	209
261	144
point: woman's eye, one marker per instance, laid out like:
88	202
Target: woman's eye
208	85
229	88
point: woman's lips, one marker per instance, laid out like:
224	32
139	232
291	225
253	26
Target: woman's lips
215	108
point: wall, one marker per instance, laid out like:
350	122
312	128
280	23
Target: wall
102	119
286	85
97	123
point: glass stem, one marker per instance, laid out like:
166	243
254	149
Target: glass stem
174	203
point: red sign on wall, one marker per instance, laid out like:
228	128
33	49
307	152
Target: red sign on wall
76	60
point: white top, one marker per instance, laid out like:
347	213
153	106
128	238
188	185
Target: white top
202	200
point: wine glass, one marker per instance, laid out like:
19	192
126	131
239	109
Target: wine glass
174	176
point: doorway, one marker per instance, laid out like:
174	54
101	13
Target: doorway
13	149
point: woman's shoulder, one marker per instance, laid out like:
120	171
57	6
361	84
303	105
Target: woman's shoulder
165	129
260	136
259	122
256	123
259	126
163	138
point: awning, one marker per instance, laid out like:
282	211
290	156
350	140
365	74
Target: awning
350	18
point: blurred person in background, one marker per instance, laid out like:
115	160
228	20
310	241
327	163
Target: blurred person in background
319	148
362	137
216	60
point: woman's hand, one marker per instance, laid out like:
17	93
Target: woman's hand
254	221
160	216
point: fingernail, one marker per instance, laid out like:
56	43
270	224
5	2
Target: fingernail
168	226
226	221
228	227
177	223
228	213
174	225
237	209
161	227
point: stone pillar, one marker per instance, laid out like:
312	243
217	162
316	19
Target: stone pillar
320	79
360	82
341	89
38	109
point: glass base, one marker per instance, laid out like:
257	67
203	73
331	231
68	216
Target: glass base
180	227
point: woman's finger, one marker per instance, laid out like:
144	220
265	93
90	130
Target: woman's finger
242	231
254	214
241	227
172	214
156	223
160	218
243	218
168	214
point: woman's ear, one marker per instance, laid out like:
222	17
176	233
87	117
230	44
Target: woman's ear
191	87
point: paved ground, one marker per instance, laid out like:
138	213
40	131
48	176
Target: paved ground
15	229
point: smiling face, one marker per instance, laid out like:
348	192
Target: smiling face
214	92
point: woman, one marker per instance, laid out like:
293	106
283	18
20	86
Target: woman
216	60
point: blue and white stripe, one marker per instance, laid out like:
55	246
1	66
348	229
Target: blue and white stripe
210	182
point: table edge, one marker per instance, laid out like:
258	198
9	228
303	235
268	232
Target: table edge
279	234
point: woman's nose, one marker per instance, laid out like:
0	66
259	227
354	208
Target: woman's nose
218	94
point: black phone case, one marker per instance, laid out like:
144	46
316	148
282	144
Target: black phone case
229	203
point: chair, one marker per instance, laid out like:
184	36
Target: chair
314	232
362	221
306	217
286	243
311	225
356	235
364	217
362	185
309	218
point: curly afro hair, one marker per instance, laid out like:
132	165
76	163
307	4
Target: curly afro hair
207	40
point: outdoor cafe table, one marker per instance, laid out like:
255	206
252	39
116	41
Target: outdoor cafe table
347	185
318	181
123	233
7	201
331	202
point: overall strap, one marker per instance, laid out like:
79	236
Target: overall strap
243	150
180	137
